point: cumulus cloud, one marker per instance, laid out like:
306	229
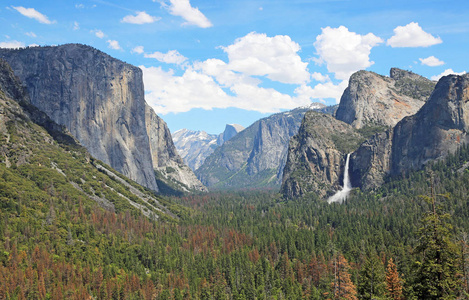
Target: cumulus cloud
33	14
322	91
140	18
76	26
446	72
31	34
344	52
222	73
12	44
192	15
412	35
171	57
237	82
274	57
98	33
320	77
138	49
113	44
431	61
166	92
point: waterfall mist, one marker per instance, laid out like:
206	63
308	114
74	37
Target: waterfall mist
341	195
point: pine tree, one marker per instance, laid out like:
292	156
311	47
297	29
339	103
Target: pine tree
342	285
393	282
436	267
372	279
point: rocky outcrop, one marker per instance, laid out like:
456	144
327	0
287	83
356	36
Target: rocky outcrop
98	98
316	156
40	153
195	146
172	172
439	128
255	157
374	100
230	131
371	161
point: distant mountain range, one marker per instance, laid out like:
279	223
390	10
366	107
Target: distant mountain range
255	157
195	146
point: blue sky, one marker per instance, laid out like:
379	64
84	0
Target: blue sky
207	63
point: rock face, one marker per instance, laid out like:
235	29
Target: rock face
172	172
195	146
374	100
101	101
316	155
255	157
371	161
98	98
439	128
230	131
33	144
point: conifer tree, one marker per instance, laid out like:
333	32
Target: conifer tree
393	282
437	265
372	279
342	285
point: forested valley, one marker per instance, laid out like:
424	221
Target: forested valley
406	240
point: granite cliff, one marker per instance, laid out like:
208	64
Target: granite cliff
98	98
399	131
41	163
440	127
374	100
172	174
316	155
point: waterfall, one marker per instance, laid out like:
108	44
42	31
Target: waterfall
341	195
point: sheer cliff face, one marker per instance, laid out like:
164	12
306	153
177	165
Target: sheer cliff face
316	156
372	99
166	160
98	98
439	128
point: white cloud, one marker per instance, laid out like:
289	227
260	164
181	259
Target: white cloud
446	72
344	52
322	91
138	49
31	34
171	57
98	33
274	57
79	6
320	77
222	73
76	26
12	44
33	14
113	44
412	35
193	16
431	61
141	18
168	93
